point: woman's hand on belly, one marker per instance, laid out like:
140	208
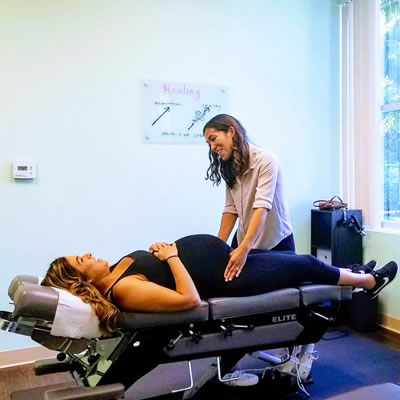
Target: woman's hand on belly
236	263
157	246
166	251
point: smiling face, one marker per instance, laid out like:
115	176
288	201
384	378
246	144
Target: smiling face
220	142
93	268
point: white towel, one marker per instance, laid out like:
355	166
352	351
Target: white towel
74	318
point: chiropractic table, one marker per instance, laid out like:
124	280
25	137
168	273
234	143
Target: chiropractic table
225	328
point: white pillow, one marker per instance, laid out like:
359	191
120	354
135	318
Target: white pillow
74	318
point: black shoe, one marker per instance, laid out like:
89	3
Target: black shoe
383	277
363	269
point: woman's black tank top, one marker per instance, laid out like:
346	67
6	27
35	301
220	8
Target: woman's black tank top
148	265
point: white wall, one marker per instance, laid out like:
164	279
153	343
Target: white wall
69	100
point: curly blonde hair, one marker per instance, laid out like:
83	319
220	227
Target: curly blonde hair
236	165
63	276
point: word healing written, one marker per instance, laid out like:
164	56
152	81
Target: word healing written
183	90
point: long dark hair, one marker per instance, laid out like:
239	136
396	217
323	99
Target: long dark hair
63	276
235	166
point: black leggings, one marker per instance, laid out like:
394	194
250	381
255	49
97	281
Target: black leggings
206	258
273	270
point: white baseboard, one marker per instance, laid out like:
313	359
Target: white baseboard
28	355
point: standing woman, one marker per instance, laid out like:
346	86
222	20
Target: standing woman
254	192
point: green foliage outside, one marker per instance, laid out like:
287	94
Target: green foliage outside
390	23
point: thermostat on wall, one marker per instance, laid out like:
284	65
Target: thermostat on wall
24	170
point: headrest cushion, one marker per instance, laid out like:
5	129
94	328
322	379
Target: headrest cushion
69	315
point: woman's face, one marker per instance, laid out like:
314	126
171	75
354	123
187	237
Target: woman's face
220	142
93	268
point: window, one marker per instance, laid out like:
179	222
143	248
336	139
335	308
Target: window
370	110
390	28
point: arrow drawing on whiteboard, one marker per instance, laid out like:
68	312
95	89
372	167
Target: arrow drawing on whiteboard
166	110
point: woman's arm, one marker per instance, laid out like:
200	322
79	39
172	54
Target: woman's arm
228	221
229	216
239	255
265	191
135	294
256	226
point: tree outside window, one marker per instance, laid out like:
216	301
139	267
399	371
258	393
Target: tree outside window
390	24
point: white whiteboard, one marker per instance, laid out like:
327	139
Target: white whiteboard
176	112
